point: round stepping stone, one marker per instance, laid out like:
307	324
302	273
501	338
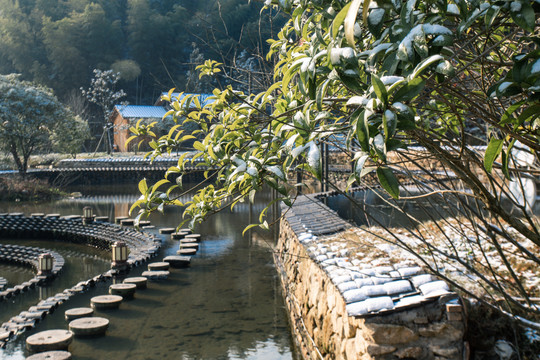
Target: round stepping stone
106	302
158	266
167	230
89	326
193	237
77	313
178	235
177	261
127	222
49	340
126	291
139	281
189	245
51	355
156	275
118	219
144	223
186	252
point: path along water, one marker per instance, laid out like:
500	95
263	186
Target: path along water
227	305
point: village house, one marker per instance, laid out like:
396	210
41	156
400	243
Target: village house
126	116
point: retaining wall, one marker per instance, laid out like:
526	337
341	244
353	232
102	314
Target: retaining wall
343	308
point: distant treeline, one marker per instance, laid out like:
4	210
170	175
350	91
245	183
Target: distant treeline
155	44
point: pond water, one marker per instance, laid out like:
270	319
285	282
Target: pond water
227	305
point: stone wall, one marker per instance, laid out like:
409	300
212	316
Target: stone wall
324	329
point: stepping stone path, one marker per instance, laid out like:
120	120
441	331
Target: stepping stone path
158	266
126	291
186	252
51	355
118	219
177	261
193	237
127	222
139	281
167	230
105	302
156	274
189	245
77	313
49	340
89	326
180	234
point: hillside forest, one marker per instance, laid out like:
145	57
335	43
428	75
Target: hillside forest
154	44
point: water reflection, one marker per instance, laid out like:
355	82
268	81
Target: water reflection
227	305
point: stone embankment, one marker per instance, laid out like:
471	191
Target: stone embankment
347	301
101	235
28	256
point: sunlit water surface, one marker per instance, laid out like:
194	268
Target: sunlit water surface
227	305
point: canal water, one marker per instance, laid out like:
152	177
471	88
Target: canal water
227	305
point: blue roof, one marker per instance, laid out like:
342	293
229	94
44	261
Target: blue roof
203	98
140	111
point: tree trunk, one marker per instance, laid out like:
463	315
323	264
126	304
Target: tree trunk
21	166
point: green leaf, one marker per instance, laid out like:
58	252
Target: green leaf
360	164
198	146
380	89
350	20
424	65
135	205
507	118
491	14
362	132
143	186
159	183
338	20
529	114
493	150
524	17
505	160
388	181
409	91
365	11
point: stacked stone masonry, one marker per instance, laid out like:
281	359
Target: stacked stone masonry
343	309
27	256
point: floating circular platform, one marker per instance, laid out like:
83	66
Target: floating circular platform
139	281
89	326
167	230
177	261
49	340
51	355
158	266
126	291
77	313
186	252
106	302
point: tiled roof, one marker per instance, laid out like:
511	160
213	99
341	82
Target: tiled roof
367	290
140	111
